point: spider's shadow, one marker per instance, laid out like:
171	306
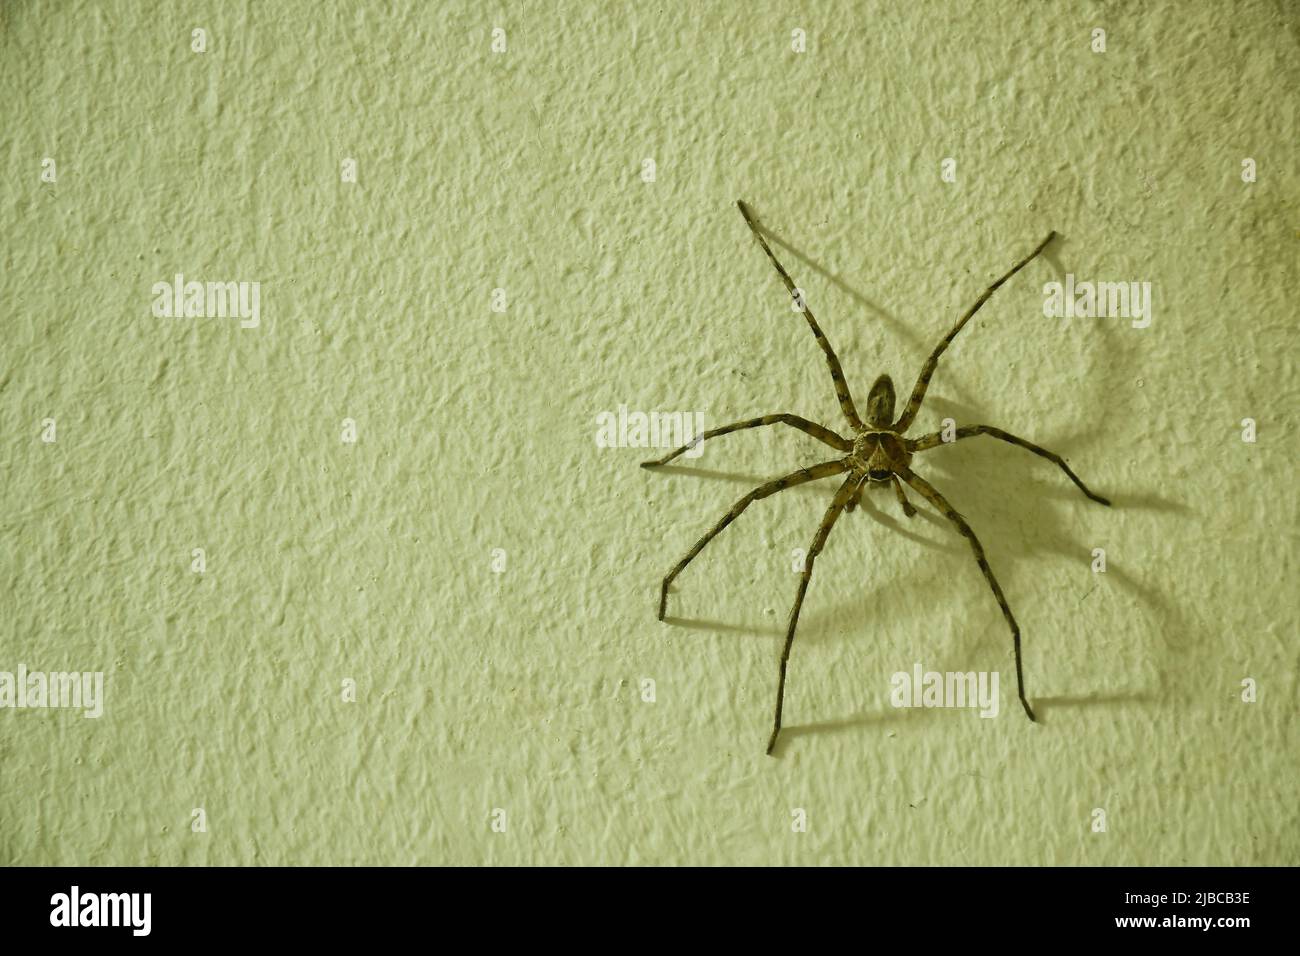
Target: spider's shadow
1026	514
886	716
902	328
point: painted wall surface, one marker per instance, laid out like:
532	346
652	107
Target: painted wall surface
486	573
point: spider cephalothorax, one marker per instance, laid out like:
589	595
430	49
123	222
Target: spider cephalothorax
879	452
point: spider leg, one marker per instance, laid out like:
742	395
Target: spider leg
856	498
847	490
923	382
967	431
928	491
837	373
903	503
803	475
820	432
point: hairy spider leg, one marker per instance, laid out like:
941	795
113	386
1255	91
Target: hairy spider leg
837	373
931	494
803	475
923	382
856	498
819	541
968	431
820	432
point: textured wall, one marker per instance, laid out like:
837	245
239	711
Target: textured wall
521	689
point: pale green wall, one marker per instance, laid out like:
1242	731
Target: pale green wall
519	690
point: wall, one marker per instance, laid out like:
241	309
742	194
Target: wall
520	689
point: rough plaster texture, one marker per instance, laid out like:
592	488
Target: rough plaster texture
521	690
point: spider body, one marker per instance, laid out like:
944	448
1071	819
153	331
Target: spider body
879	455
878	452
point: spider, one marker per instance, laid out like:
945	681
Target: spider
878	453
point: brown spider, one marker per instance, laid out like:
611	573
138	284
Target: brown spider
879	453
